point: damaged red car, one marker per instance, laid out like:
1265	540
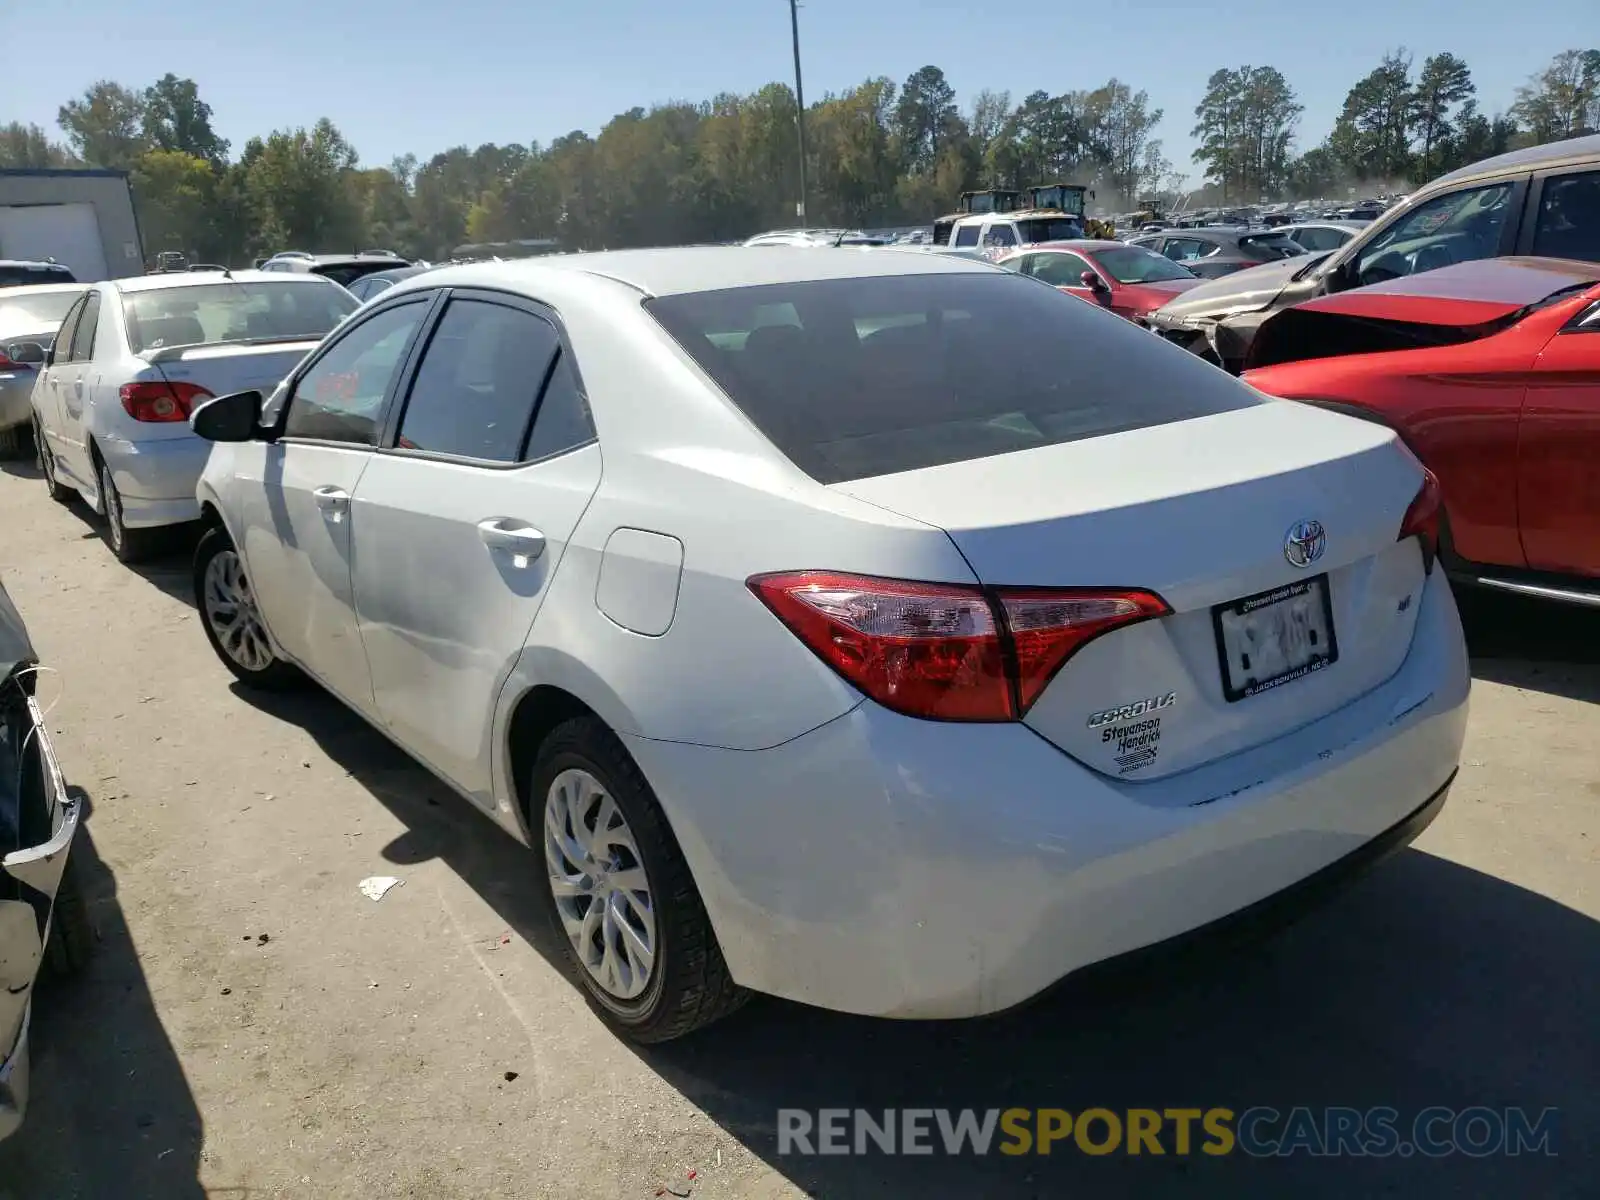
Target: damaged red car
1490	372
1129	280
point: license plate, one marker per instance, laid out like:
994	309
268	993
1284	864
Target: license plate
1275	637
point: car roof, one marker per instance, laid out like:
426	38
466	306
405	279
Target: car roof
153	283
1531	158
40	289
333	260
395	273
677	271
1080	245
1464	293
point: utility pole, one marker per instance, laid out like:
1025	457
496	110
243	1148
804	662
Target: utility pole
799	106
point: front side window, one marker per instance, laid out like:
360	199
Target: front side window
967	235
1061	270
903	372
340	398
480	376
1458	227
1136	264
1000	235
1569	218
260	311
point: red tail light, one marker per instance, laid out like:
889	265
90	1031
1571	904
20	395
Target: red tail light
158	400
946	651
1423	517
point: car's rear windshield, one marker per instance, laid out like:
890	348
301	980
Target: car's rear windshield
233	312
851	378
12	274
1270	246
34	312
345	274
1135	264
1049	229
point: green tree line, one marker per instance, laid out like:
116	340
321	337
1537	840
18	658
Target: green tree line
879	154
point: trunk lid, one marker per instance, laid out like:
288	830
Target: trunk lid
220	369
1200	512
231	366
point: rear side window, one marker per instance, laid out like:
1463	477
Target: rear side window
904	372
967	235
1569	218
481	374
1269	246
83	340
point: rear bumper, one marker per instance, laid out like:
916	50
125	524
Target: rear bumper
156	479
894	867
16	398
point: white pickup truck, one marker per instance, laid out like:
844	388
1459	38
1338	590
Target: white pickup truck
992	235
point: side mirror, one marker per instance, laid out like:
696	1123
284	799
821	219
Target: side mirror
30	354
1094	283
232	418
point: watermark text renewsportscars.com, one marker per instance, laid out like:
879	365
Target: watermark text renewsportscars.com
1258	1132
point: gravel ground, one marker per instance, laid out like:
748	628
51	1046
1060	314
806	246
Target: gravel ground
252	1026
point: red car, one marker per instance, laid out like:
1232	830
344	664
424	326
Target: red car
1490	372
1129	280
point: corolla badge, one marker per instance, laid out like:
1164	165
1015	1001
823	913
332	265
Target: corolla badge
1304	543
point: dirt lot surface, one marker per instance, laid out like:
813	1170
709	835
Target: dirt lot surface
253	1026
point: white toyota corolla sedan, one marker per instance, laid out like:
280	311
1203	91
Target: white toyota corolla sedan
883	631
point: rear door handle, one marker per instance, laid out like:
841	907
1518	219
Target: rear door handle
516	537
332	501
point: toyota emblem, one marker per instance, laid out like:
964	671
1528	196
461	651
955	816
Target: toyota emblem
1304	543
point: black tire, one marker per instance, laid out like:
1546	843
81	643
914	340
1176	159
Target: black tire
72	935
15	442
129	545
46	462
689	986
277	675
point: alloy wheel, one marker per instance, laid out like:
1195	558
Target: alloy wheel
230	609
597	878
112	504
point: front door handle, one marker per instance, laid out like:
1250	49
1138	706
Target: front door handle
332	501
77	388
521	540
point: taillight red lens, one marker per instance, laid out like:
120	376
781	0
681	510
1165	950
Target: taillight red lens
1048	627
945	651
157	400
1423	517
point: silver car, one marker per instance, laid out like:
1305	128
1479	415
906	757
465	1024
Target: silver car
134	356
29	318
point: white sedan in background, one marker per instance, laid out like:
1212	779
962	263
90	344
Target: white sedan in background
878	630
132	359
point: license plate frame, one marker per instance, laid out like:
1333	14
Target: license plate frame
1233	611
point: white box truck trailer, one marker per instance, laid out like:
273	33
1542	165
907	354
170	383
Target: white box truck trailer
83	220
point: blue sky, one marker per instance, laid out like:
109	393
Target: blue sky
423	75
